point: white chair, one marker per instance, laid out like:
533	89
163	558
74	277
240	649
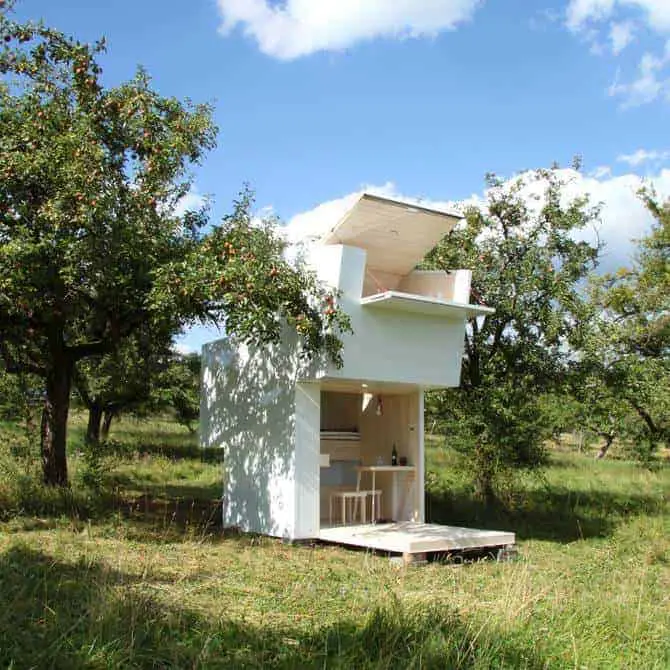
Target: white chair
350	500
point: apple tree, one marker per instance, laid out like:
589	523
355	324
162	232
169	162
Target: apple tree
93	245
528	265
627	350
123	381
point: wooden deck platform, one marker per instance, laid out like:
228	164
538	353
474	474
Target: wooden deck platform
410	537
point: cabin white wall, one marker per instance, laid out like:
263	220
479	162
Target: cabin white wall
307	470
248	408
461	288
387	345
454	286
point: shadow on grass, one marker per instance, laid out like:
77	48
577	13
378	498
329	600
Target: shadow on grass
141	519
545	514
156	512
160	490
174	447
161	520
158	500
181	452
148	513
72	615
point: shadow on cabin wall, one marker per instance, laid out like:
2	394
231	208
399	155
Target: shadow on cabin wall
248	410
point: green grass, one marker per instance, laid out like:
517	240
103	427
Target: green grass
138	574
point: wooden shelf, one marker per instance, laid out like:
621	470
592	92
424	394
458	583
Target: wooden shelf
340	435
339	447
386	468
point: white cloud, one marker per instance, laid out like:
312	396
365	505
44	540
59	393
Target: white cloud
190	202
623	216
644	156
580	12
656	13
621	35
649	85
619	21
294	28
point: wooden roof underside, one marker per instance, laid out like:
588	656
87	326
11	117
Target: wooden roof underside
396	235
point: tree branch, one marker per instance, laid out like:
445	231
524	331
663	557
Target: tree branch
79	351
12	366
81	385
646	417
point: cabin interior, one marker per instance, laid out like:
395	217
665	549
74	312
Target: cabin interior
436	284
360	425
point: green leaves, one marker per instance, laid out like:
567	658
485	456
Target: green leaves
90	241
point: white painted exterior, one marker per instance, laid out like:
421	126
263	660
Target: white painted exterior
248	408
307	453
391	346
264	409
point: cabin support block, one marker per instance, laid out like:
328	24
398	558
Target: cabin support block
415	558
507	553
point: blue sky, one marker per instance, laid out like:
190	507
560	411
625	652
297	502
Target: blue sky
316	99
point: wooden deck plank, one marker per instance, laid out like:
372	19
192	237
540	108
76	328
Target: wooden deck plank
410	537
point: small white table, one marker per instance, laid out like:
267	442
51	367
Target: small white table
408	470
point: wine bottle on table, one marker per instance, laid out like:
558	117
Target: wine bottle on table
394	456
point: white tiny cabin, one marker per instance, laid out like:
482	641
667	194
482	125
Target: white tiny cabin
318	447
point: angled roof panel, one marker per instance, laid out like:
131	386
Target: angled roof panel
396	235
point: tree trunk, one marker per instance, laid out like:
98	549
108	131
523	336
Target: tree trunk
605	448
107	424
484	476
94	421
484	490
54	425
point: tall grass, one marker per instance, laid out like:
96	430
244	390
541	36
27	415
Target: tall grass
143	576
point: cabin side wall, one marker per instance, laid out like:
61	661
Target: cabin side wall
248	408
307	453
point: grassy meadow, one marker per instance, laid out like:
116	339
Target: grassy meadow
130	568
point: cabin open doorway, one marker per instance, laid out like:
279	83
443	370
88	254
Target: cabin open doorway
365	500
371	454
